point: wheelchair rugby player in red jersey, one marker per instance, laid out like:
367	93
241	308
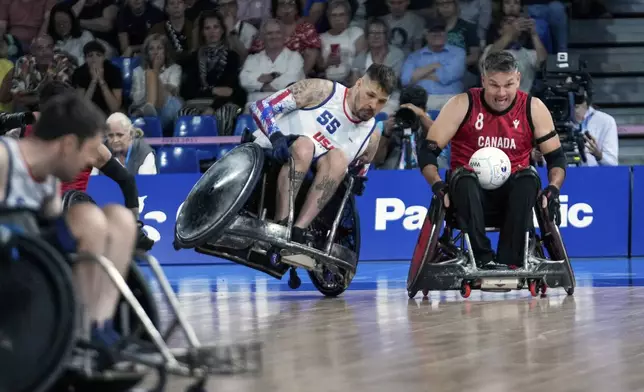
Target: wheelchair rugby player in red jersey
461	257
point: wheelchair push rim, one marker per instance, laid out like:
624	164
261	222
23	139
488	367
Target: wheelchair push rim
37	337
73	197
348	235
219	195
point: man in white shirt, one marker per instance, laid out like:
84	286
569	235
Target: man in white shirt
272	69
600	133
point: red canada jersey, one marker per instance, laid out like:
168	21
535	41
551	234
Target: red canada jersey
79	183
510	130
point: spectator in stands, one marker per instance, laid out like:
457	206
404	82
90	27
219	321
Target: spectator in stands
379	51
127	145
478	12
301	35
194	8
253	11
438	67
25	19
155	83
600	132
464	35
239	34
6	68
554	12
99	18
272	69
177	29
341	43
514	8
32	70
133	23
98	79
14	48
514	35
212	72
406	29
66	32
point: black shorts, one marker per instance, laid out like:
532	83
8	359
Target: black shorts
58	234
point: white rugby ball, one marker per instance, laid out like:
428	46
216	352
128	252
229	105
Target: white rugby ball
492	167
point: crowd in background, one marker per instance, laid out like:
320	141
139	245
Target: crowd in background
203	57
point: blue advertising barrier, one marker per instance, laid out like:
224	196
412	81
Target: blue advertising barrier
637	212
594	208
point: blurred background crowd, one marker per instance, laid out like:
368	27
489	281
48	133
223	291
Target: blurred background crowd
191	67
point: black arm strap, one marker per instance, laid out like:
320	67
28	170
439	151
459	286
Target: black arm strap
556	158
114	170
544	138
428	152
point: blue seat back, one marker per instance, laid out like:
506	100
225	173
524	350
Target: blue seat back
224	148
151	126
244	121
195	126
433	114
177	160
127	66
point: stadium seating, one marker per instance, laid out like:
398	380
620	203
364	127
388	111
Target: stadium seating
177	160
127	66
223	149
198	126
151	126
195	126
244	121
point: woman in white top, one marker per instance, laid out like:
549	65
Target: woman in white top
341	43
156	82
67	34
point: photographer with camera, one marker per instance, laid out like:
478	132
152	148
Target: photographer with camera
599	130
410	123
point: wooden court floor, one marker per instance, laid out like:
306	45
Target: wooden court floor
380	341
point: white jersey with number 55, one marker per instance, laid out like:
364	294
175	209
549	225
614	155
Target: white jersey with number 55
329	125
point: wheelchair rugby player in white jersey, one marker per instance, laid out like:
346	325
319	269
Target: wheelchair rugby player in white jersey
324	126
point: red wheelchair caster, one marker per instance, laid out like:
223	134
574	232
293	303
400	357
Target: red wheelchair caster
466	290
532	286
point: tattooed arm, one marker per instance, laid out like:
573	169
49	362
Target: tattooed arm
302	94
372	148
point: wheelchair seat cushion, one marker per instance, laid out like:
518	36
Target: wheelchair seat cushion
219	194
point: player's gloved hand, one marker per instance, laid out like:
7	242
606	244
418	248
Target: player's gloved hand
440	191
359	185
550	201
281	152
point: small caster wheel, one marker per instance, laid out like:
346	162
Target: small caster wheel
544	288
570	290
199	386
425	293
412	293
294	281
466	290
532	286
175	245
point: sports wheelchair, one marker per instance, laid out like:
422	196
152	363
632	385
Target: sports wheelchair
446	261
228	214
44	344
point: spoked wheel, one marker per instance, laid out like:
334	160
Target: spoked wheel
126	321
38	309
330	283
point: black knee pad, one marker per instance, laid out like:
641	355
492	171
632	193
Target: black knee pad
529	172
460	174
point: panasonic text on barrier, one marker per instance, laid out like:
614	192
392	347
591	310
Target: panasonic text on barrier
578	215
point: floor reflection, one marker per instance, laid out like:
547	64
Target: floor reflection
374	338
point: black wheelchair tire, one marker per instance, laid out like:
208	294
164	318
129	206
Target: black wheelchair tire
56	268
141	290
337	290
215	229
72	197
